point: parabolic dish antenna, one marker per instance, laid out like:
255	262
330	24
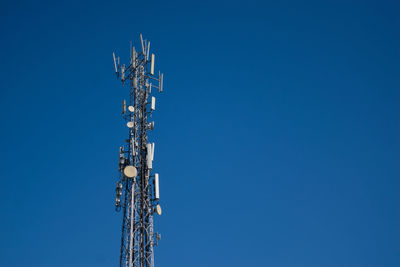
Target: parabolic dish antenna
130	124
158	209
130	171
131	108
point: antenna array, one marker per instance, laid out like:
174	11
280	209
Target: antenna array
137	191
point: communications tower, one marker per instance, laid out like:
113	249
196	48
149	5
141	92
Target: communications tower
137	191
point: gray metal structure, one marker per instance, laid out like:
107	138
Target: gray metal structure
137	192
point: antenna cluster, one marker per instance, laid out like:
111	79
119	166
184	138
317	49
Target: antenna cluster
137	191
136	60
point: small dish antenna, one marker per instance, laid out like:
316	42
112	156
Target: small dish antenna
158	209
130	171
130	124
131	108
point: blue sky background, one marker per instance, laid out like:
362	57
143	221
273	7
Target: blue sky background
277	136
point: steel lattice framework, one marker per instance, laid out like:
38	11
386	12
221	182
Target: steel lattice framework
137	192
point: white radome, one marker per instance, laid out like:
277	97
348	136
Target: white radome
130	171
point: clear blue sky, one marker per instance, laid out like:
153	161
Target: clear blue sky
277	137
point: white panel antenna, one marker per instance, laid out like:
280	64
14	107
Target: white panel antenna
153	103
156	187
152	64
150	155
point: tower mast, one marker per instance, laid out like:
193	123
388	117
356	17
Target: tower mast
137	191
